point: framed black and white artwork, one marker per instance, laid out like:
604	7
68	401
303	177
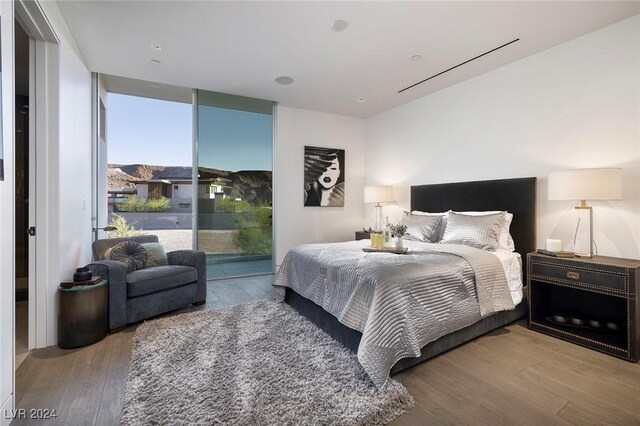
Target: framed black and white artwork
323	177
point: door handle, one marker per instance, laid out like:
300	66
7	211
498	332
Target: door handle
31	231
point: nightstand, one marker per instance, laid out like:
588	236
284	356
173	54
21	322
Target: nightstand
590	302
84	315
361	235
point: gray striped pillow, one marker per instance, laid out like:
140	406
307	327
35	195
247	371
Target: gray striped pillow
441	227
475	231
421	227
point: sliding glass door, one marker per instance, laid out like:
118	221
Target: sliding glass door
234	140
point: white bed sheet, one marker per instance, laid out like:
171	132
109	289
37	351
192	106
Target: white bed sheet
512	264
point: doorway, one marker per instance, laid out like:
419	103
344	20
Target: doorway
22	184
36	88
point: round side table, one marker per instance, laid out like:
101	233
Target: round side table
84	315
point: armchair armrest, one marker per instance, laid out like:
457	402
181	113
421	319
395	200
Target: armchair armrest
186	257
116	274
196	259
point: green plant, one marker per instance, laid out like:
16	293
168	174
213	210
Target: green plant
123	228
132	204
229	205
398	230
158	205
255	231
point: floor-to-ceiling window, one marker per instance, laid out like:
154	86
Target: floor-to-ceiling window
235	158
149	187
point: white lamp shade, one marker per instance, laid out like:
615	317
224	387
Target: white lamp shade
586	184
378	194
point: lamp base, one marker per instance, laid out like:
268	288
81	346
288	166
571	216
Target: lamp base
379	219
583	206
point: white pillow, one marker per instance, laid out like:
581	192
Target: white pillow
505	240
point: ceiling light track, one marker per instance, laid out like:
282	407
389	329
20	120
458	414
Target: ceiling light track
459	65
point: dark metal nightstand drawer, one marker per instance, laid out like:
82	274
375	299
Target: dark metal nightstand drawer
588	278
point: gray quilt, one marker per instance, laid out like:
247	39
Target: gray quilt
398	302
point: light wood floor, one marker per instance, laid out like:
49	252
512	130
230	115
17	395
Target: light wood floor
22	331
512	376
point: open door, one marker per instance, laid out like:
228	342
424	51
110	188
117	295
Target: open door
31	200
24	190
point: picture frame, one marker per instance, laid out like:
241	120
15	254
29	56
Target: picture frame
324	176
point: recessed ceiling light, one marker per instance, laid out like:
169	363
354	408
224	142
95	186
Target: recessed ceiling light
155	62
284	79
156	46
339	25
361	100
156	85
416	57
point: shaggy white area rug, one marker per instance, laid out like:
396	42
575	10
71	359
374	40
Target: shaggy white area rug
255	364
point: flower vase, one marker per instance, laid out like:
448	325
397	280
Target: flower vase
398	243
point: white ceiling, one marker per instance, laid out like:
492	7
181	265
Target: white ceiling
241	47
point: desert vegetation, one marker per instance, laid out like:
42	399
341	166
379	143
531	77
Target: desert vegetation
254	227
123	228
134	204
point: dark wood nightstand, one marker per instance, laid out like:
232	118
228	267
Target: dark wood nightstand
590	302
84	315
361	235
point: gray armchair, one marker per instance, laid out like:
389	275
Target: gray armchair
147	292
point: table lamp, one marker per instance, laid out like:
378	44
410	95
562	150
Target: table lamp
378	194
583	185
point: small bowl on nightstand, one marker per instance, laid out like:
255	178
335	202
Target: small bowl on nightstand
611	326
82	274
595	324
561	319
577	321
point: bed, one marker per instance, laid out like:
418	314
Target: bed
513	195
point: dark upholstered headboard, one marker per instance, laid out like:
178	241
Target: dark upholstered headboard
517	196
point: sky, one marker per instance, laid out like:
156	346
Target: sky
234	140
150	131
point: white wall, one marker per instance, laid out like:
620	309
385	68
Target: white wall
71	179
576	105
143	190
184	191
294	223
7	222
